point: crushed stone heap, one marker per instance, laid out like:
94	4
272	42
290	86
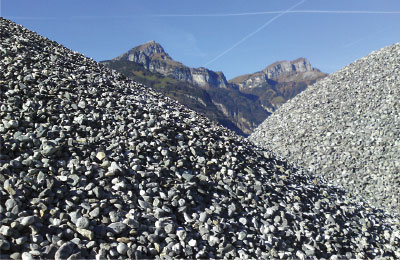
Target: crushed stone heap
346	128
94	165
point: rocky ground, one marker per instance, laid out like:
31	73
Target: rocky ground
94	165
346	128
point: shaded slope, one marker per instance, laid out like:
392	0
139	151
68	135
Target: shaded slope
193	97
94	165
228	106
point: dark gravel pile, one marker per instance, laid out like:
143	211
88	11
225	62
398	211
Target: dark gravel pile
346	128
96	166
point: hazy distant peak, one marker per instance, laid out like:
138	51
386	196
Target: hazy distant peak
147	50
151	46
296	70
297	65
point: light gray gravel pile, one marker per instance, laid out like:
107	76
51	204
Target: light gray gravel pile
346	128
96	166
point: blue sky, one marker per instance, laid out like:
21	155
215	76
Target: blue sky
232	36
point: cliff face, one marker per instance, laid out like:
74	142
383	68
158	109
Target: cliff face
278	69
153	57
208	78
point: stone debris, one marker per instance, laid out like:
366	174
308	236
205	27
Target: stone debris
346	128
96	166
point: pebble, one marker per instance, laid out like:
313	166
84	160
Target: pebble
89	234
27	256
75	215
188	177
181	233
243	221
100	156
192	243
117	227
48	149
203	217
122	248
64	251
20	240
16	256
82	222
113	169
10	203
169	228
242	235
5	230
26	221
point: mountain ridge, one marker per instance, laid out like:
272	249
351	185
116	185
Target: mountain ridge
245	103
152	55
279	71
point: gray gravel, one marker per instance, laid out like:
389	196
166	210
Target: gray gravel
96	166
346	128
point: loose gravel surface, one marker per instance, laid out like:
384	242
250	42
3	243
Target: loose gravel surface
346	128
96	166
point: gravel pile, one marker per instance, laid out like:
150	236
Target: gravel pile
346	128
96	166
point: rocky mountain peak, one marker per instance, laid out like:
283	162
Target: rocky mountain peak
279	68
153	58
151	48
297	71
144	52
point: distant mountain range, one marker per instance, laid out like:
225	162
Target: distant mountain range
240	104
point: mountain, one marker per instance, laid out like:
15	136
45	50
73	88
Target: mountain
240	104
153	57
279	82
346	128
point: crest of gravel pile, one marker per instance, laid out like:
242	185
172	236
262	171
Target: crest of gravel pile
96	166
346	128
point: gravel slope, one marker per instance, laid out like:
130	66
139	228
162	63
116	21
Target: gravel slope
94	165
346	128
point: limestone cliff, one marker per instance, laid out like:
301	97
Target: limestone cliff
282	71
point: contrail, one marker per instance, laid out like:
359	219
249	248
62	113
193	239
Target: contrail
369	36
32	18
280	12
254	32
90	17
205	15
345	12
